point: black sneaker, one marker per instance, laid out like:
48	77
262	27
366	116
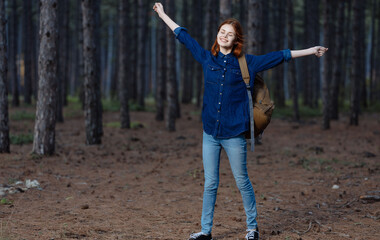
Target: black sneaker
200	236
252	234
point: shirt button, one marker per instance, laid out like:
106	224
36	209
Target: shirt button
220	93
218	111
225	69
225	61
221	84
222	75
217	120
219	102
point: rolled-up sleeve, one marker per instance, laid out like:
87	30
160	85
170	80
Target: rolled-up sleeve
287	55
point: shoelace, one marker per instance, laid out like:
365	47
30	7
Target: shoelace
251	234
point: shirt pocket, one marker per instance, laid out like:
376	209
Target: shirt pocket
213	73
236	75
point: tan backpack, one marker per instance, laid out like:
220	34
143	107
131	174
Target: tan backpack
260	105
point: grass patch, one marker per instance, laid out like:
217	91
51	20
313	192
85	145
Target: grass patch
21	139
287	112
134	125
317	164
22	115
5	201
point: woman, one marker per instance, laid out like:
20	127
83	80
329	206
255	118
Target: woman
225	112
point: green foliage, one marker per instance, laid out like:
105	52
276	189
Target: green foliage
306	112
5	201
22	115
113	124
317	164
21	139
110	105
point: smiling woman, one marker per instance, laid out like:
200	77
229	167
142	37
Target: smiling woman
229	38
225	112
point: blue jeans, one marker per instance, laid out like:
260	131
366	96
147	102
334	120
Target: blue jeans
236	149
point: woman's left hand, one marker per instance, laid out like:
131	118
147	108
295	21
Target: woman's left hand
320	51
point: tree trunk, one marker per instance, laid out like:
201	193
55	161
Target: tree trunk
141	48
338	59
44	129
27	51
34	47
161	70
171	84
13	39
79	23
373	53
197	70
187	83
4	125
326	97
225	10
62	56
278	72
292	66
254	27
357	59
93	113
123	65
376	74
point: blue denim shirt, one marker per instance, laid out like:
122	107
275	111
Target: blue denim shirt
225	111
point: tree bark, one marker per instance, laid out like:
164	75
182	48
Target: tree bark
254	27
123	65
338	59
161	70
4	125
171	84
292	66
27	51
93	113
278	72
197	71
187	83
13	39
225	10
357	59
44	129
141	49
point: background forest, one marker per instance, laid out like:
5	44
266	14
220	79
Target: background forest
104	89
137	63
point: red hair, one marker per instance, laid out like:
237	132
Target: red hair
237	50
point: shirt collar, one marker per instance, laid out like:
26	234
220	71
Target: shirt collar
221	55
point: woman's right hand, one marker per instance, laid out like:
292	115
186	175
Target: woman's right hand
159	9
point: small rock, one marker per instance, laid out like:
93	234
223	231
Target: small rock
335	186
85	206
32	184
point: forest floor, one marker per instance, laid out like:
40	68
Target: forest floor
147	183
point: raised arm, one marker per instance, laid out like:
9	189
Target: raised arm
161	13
317	51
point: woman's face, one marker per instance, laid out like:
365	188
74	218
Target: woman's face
226	36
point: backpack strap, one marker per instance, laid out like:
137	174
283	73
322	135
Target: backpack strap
244	71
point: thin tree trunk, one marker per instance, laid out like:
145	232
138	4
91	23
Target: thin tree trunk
197	21
187	83
141	48
279	95
123	65
13	39
376	77
326	97
34	47
374	5
4	125
171	84
79	23
338	59
292	66
225	10
44	129
254	26
91	81
27	52
161	70
357	60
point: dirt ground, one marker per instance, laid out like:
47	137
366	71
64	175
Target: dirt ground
147	183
